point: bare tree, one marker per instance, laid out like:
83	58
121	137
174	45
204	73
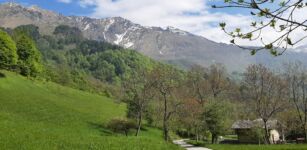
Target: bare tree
217	79
204	84
197	82
190	116
139	91
167	84
279	15
296	76
266	91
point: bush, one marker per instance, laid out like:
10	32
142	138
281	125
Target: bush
8	54
2	75
121	125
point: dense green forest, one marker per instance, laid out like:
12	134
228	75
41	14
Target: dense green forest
69	59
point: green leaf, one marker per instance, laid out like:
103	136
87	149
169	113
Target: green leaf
273	52
238	30
254	24
289	41
223	25
232	41
282	27
248	36
273	23
253	52
269	46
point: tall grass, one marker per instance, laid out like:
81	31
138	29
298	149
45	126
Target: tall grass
38	115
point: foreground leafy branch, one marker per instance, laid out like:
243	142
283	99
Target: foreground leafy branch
270	14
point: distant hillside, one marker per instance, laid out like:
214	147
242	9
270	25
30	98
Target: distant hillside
36	115
171	45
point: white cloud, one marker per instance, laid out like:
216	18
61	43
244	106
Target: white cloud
65	1
190	15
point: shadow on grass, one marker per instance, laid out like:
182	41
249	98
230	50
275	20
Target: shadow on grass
144	128
102	129
228	141
2	75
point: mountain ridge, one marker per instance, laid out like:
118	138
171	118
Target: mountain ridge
170	45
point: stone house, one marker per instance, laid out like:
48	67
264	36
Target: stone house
247	131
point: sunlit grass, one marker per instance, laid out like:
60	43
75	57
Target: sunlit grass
40	115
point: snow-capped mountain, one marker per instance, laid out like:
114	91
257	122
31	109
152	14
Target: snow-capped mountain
169	44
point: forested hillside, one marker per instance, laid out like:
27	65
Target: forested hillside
71	60
35	71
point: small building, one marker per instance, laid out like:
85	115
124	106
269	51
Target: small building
248	131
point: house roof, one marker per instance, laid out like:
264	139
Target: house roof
247	124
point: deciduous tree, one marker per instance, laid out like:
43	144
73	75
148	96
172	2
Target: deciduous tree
296	77
139	91
29	57
8	54
168	82
266	92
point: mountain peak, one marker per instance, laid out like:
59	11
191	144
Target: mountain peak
176	30
11	4
167	44
20	8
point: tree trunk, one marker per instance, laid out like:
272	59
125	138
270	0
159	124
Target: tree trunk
139	124
165	130
213	140
267	134
165	125
196	133
305	133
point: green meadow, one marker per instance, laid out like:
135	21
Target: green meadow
44	115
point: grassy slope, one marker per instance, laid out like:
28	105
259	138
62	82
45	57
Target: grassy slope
35	115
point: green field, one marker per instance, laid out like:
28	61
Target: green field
258	147
37	115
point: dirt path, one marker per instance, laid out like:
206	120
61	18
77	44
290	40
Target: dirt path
183	144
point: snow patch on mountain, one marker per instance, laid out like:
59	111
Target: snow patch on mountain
119	38
128	45
177	31
135	28
87	27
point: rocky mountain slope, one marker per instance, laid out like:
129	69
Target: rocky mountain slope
171	45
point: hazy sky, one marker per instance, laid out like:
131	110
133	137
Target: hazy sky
195	16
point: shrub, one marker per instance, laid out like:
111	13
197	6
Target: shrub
8	54
121	125
2	75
